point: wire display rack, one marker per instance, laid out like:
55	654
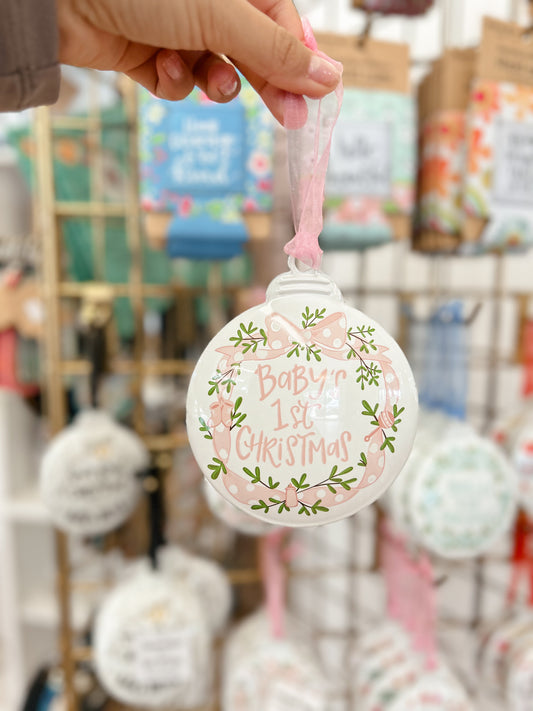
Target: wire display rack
350	577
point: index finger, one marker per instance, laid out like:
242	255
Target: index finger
284	13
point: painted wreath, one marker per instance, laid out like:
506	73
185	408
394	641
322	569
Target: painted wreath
319	334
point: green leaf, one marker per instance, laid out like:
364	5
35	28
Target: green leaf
294	350
317	507
333	489
300	484
368	410
255	476
387	442
304	510
216	467
272	484
283	508
363	461
261	506
205	428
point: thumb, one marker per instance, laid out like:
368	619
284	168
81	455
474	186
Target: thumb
232	27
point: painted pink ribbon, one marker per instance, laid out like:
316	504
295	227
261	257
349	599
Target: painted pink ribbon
221	412
329	334
309	124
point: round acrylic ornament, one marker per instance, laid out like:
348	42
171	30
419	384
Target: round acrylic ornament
302	410
88	475
152	646
266	673
205	578
463	498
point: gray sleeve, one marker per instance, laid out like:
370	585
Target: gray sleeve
29	69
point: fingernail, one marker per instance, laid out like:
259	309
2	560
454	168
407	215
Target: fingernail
323	72
173	66
228	87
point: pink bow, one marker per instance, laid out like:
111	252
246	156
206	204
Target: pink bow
330	333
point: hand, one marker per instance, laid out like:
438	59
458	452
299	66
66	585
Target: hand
168	46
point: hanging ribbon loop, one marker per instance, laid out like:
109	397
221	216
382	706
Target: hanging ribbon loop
309	124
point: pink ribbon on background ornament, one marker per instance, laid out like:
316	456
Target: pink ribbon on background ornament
410	591
310	124
274	577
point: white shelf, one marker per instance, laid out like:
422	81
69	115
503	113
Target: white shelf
5	705
26	507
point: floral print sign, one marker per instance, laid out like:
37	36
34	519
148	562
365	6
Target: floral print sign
373	158
442	154
499	179
247	184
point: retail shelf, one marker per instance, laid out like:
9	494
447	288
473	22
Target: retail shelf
26	506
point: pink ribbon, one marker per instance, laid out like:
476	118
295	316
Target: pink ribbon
309	124
274	579
425	634
410	592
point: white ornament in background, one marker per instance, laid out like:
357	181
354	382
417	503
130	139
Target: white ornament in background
457	494
389	675
152	645
463	498
88	475
206	579
262	673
